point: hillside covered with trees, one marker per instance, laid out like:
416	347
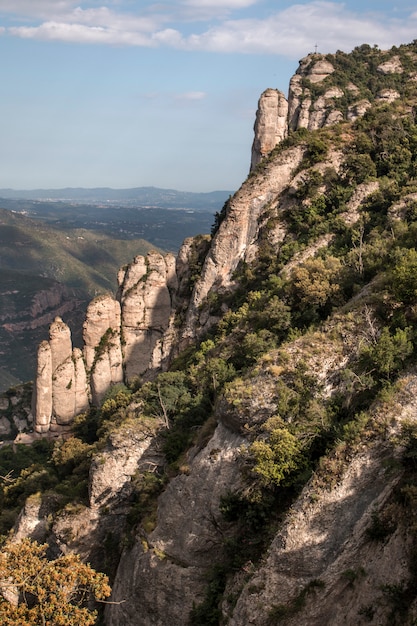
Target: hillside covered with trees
268	474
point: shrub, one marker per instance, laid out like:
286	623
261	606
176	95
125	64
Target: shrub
277	458
50	592
403	277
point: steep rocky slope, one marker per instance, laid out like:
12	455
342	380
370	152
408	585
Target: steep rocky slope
249	453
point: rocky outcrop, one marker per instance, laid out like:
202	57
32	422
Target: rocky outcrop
136	333
276	116
102	345
358	109
111	471
271	125
302	112
42	393
146	289
388	95
164	573
310	108
60	390
237	237
392	66
123	337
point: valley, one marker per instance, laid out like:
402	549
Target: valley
57	254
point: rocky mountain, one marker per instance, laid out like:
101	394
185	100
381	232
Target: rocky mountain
57	255
47	271
236	441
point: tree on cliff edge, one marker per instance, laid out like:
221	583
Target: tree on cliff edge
35	591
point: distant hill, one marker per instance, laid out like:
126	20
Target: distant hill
165	226
80	258
57	254
44	272
142	196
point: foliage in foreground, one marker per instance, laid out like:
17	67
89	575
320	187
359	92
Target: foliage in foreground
34	590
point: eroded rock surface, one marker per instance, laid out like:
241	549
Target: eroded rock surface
271	125
146	291
163	575
61	390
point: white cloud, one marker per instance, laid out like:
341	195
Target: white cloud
292	32
79	33
295	31
169	37
191	95
117	21
37	8
220	4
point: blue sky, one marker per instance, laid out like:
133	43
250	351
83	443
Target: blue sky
129	93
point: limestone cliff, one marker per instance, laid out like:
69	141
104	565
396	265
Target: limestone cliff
344	547
269	476
271	124
61	390
124	337
138	332
318	96
146	290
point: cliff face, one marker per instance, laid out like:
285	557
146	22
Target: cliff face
269	476
146	291
123	338
271	124
325	562
137	333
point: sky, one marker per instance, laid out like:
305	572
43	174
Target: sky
131	93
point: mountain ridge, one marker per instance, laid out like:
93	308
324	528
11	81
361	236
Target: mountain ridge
261	470
144	195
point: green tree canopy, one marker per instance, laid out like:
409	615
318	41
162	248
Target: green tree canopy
35	590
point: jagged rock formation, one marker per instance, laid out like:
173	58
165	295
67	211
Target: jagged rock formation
146	289
237	237
316	237
60	390
324	538
277	116
124	337
270	125
136	333
313	102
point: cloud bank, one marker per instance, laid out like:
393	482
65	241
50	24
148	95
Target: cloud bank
223	26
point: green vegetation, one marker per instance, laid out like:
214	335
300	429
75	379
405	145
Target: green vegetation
309	434
338	279
49	592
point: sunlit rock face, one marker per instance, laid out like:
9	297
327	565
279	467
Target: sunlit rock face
141	317
145	294
42	395
161	303
103	313
271	125
102	345
61	389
